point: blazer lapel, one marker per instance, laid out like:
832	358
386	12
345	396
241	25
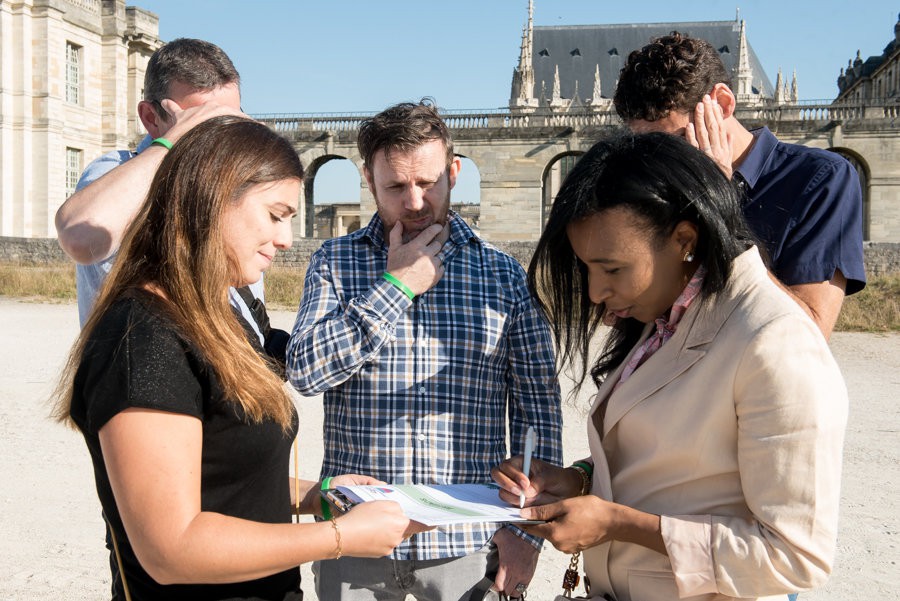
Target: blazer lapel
698	327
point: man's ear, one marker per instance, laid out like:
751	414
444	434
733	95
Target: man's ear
369	181
152	123
725	97
453	172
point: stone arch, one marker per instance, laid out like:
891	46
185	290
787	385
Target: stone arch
551	180
466	196
337	216
862	170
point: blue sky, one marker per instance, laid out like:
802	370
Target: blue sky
305	56
362	55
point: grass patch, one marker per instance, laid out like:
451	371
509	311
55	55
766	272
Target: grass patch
284	287
875	309
55	282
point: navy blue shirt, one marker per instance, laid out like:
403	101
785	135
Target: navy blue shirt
805	206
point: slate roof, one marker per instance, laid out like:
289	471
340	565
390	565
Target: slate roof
578	49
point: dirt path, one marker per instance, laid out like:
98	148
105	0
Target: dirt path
52	543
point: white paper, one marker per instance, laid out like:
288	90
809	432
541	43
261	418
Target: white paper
441	505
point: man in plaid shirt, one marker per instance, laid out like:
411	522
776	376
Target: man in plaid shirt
429	350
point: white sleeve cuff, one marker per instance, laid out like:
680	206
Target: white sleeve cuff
688	541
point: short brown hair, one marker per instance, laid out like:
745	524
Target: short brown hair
671	73
403	127
199	64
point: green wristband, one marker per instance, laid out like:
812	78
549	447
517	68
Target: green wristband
162	142
587	467
326	509
403	287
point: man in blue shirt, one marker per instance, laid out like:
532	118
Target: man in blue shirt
430	351
804	204
187	81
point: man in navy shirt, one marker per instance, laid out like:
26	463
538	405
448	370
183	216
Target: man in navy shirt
804	204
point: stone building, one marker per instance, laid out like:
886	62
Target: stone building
573	66
876	78
71	74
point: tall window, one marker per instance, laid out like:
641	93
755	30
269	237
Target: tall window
73	73
73	169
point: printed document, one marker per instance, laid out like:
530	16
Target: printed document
440	505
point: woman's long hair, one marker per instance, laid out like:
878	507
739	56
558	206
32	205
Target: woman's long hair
175	247
663	181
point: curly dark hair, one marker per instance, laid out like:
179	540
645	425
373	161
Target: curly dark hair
671	73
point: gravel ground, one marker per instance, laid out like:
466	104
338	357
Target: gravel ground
52	543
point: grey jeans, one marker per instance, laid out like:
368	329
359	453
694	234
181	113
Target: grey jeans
386	579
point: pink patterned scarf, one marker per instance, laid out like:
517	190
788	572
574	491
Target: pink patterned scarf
665	328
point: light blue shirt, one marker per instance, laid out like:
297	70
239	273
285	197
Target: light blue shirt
89	278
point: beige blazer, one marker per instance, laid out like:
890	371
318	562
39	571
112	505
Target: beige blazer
732	431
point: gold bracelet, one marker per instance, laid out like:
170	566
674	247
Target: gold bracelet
585	479
337	537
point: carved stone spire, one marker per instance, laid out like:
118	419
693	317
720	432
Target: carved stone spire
779	98
744	72
522	91
556	99
596	96
794	92
556	87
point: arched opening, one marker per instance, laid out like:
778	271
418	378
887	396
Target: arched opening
465	199
862	170
554	175
333	197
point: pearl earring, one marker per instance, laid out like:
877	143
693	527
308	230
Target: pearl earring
688	257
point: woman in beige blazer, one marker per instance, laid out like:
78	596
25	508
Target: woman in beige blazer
717	429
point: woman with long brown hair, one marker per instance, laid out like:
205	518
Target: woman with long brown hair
188	426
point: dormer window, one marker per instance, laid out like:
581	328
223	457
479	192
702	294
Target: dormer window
613	52
576	52
544	52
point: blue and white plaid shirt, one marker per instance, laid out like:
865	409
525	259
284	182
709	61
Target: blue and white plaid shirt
423	391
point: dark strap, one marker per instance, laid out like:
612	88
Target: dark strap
257	310
274	340
481	589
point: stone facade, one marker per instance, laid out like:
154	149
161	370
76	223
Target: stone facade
517	156
876	78
522	153
71	74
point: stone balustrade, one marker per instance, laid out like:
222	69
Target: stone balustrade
810	113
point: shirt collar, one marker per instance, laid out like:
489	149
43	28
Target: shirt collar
764	144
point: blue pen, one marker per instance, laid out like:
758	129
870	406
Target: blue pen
526	463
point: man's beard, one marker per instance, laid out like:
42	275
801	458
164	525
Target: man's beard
409	235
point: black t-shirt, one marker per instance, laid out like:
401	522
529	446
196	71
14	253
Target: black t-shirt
135	358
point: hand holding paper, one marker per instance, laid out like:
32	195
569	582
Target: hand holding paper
436	505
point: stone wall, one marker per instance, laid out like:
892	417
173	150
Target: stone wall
882	258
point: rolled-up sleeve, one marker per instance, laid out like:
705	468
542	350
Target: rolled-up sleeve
791	407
